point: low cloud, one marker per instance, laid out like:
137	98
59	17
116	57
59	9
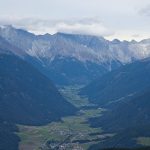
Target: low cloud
89	26
136	35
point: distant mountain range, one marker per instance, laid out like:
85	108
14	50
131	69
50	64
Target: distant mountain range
74	59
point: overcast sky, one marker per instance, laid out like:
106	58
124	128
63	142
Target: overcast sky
123	19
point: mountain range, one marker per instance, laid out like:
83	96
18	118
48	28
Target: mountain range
115	75
122	83
26	96
125	94
128	120
74	59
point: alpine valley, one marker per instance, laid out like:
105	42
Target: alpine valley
72	91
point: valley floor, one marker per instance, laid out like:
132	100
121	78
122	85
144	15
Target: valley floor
71	132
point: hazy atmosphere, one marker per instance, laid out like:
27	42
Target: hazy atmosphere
74	74
123	19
